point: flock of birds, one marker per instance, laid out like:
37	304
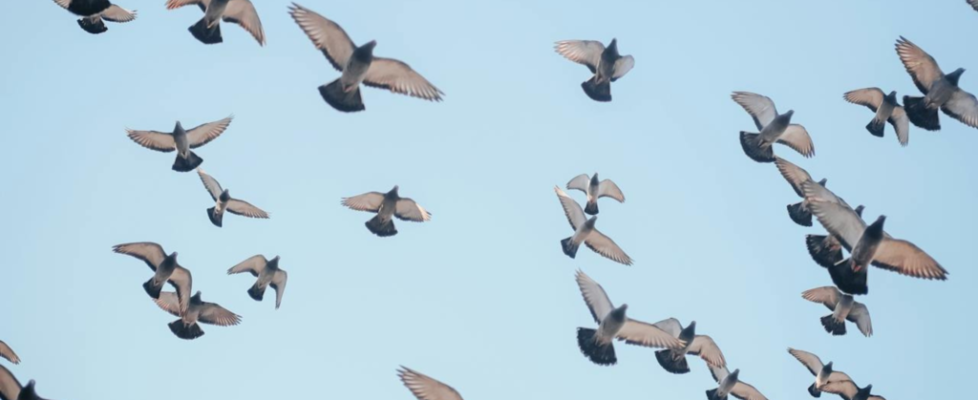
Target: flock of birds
866	244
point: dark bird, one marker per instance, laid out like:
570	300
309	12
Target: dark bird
729	383
268	274
182	141
795	176
597	344
424	387
584	232
387	205
165	266
940	91
824	374
10	388
8	353
358	65
674	360
225	202
887	110
595	189
826	250
843	308
199	311
774	128
95	12
208	29
605	63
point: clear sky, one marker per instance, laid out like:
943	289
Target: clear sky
481	297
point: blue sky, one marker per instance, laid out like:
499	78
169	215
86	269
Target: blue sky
481	297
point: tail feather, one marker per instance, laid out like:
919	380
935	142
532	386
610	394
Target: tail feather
342	100
812	390
800	214
712	395
598	353
920	115
670	364
569	247
206	35
875	127
152	290
591	208
188	164
755	148
184	331
597	91
94	27
822	254
257	292
216	219
381	228
833	326
847	280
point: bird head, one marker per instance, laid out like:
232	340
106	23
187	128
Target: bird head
594	179
225	195
393	191
828	367
859	209
619	313
178	128
891	97
787	115
173	255
590	222
369	46
823	182
955	76
733	375
614	44
196	297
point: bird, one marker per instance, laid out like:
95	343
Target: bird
887	110
843	308
358	65
199	311
824	374
225	202
605	63
166	267
849	391
424	387
95	12
940	91
268	274
826	250
595	189
729	383
10	388
866	244
208	29
774	128
8	353
795	176
387	205
182	141
585	232
674	360
597	344
973	4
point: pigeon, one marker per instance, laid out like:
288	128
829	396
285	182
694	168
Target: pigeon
826	250
729	383
424	387
940	91
10	388
596	344
866	244
200	311
824	374
843	308
226	202
166	268
849	391
208	29
584	232
595	189
387	205
605	63
358	65
773	128
268	274
95	12
8	353
182	141
795	176
674	360
887	110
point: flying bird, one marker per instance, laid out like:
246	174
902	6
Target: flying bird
358	65
225	202
182	141
729	383
824	374
8	353
268	274
606	64
95	12
849	391
887	110
774	128
826	250
199	311
165	267
843	308
424	387
596	344
595	189
387	205
674	360
584	232
940	91
10	388
208	29
795	176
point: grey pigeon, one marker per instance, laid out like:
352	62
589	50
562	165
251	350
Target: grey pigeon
182	141
584	232
225	202
10	388
95	12
605	63
358	65
387	205
208	29
595	189
424	387
165	267
199	311
674	360
940	91
843	308
268	274
774	128
8	353
887	110
824	374
795	176
826	250
729	383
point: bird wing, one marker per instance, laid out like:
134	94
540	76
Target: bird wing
118	14
962	106
792	173
622	66
745	391
580	182
718	373
245	209
809	360
254	264
64	4
151	253
827	295
424	387
608	188
214	314
670	326
9	385
203	134
920	65
172	4
408	210
647	335
901	124
153	140
869	97
973	4
859	315
906	258
761	108
586	52
278	283
606	247
398	77
796	137
211	184
328	37
707	349
574	212
169	302
182	281
594	296
836	216
8	353
370	201
242	12
846	389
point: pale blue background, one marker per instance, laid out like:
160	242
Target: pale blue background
481	297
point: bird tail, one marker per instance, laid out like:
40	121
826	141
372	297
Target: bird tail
599	353
184	331
712	395
920	114
152	289
94	27
216	218
597	91
755	148
188	164
569	247
670	364
340	99
257	292
206	35
847	280
800	214
833	326
875	126
812	390
822	254
592	207
381	228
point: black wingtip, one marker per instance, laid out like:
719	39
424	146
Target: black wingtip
920	115
754	149
205	35
600	354
95	28
341	100
597	91
800	214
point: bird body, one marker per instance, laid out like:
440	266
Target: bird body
387	206
186	327
606	63
207	30
941	91
595	189
887	110
674	360
224	202
584	232
268	274
94	12
181	141
165	267
773	128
